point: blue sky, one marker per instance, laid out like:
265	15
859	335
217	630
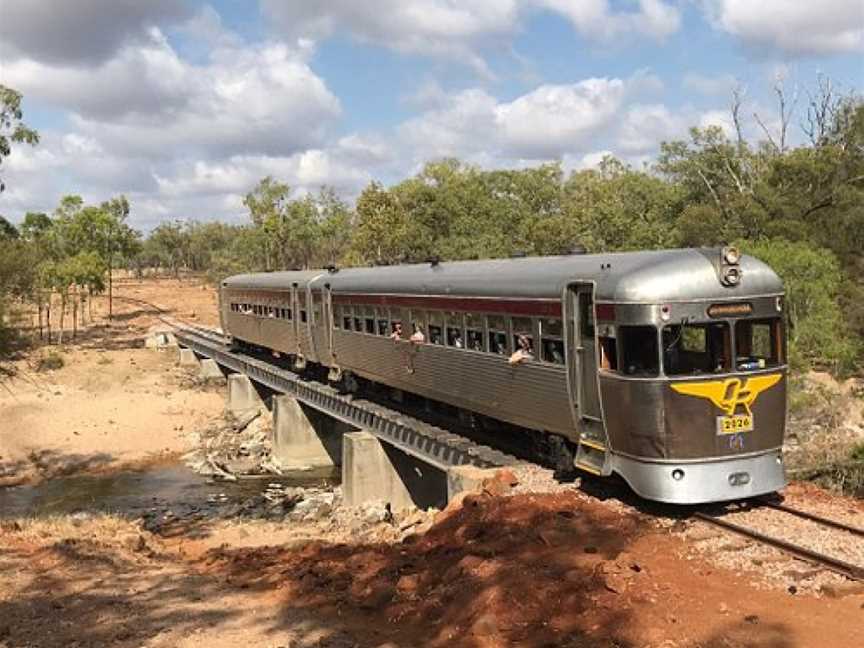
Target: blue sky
184	105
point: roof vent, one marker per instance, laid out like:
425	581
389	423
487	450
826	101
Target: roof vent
332	269
434	260
578	249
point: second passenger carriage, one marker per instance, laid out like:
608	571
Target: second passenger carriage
665	367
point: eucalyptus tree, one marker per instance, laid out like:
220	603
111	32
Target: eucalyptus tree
12	127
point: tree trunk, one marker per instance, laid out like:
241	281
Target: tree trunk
90	302
110	292
48	319
39	309
75	313
62	318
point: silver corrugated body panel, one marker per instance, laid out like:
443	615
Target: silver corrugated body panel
272	333
531	394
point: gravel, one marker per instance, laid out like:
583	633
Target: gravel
773	567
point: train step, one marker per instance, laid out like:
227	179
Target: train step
592	456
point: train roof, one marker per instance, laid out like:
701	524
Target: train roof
624	277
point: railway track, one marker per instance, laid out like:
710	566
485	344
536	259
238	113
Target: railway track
819	559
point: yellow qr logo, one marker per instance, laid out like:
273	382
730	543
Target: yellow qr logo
730	393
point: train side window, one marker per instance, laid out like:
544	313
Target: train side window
289	314
454	330
523	326
303	316
382	316
608	348
337	316
475	332
758	343
347	318
639	354
436	328
692	349
551	341
497	325
369	320
586	316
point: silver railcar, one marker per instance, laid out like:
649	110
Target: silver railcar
665	367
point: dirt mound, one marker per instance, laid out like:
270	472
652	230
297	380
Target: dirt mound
518	570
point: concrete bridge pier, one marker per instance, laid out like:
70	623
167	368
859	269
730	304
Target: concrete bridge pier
211	371
242	395
187	358
374	470
304	437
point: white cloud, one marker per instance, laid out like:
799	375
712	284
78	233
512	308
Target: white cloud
792	28
83	31
447	29
643	127
596	20
149	101
547	123
459	30
552	120
721	118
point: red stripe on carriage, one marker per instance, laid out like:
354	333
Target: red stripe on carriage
531	307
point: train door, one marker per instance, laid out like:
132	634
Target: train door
584	366
295	320
592	452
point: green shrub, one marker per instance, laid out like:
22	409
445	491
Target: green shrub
818	333
51	361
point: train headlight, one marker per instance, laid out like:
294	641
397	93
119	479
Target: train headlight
665	312
778	304
731	276
731	255
677	474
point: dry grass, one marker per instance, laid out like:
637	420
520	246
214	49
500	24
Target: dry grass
99	528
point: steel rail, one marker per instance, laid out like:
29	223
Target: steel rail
854	572
433	445
814	518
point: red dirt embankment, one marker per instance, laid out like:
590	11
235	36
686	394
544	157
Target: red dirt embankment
536	570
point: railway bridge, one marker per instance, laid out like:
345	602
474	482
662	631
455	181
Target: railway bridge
384	454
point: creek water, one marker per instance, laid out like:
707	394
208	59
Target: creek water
136	492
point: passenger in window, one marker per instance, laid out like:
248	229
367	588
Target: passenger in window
417	336
435	336
554	351
524	352
475	340
499	343
396	335
455	338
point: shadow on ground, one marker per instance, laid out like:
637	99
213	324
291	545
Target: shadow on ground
518	571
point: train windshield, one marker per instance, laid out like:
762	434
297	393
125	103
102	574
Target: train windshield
693	349
758	343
